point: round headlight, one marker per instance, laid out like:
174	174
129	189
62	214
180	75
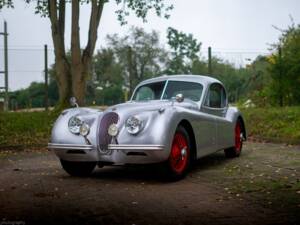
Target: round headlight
74	125
84	129
113	130
133	125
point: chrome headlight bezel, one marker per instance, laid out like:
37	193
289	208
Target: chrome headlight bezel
133	125
74	125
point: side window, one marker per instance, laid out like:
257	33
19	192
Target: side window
216	97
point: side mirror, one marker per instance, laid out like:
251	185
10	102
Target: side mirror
73	102
179	98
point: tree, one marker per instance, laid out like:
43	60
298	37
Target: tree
184	51
72	74
285	66
139	54
107	71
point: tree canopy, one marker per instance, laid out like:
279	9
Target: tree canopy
72	73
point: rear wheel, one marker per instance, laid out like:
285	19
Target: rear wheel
237	149
79	169
179	159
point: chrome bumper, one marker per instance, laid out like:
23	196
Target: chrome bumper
126	147
129	147
69	146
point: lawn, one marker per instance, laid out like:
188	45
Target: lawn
280	125
25	129
33	129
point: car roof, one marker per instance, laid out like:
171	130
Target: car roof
204	80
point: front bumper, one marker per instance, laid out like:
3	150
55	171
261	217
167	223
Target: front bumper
136	148
125	147
69	146
118	153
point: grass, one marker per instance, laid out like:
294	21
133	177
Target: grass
25	129
280	125
28	129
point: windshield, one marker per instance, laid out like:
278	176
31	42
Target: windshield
154	91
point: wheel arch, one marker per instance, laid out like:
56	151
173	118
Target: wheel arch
240	118
187	125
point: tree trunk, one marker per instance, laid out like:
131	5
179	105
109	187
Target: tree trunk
72	76
62	65
63	77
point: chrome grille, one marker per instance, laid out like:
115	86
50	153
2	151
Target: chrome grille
104	137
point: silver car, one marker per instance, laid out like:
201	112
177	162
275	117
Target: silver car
172	120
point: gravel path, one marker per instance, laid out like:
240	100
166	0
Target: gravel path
34	189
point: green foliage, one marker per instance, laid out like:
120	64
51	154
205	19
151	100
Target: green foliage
138	56
6	3
285	67
33	96
184	51
274	124
106	68
140	8
25	129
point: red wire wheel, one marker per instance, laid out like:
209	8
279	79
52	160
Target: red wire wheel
179	158
238	142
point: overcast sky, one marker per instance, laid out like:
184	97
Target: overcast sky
228	26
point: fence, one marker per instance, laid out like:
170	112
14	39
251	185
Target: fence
26	64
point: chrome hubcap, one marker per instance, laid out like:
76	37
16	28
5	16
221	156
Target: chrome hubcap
183	153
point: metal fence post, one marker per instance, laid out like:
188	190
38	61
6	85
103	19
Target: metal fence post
46	76
6	97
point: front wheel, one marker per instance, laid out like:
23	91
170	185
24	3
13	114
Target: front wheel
179	159
237	149
78	169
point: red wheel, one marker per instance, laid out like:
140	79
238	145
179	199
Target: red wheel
238	137
238	142
179	159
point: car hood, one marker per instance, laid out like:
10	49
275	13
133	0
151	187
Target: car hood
152	105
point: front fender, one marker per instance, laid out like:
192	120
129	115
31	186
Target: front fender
159	129
60	132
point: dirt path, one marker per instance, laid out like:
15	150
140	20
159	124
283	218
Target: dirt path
34	189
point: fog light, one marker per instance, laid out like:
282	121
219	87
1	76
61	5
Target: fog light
84	129
113	130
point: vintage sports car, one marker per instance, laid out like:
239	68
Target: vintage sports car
172	120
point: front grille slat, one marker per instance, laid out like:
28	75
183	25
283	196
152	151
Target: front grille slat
104	137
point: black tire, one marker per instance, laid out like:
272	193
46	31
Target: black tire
175	172
78	169
236	150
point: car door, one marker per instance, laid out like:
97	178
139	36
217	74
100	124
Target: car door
216	104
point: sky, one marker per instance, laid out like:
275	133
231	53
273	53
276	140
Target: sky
235	29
